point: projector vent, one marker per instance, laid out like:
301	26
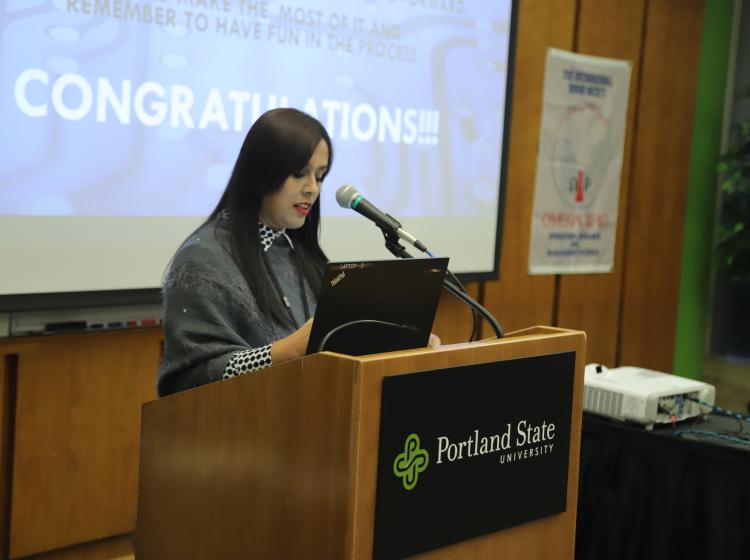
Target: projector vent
602	402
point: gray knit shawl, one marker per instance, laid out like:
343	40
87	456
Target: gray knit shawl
210	313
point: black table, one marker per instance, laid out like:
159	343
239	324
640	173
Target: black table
651	495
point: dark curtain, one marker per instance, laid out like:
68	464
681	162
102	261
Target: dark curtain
651	495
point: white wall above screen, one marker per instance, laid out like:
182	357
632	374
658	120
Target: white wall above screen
122	121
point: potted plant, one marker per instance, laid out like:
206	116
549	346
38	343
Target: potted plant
733	248
731	328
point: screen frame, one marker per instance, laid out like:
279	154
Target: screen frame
78	300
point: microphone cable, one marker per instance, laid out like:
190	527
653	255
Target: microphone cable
476	319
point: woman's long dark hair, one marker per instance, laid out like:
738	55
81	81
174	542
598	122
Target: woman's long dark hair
280	143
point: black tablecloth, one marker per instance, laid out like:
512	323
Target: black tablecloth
645	495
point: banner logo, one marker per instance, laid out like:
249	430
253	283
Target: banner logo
411	462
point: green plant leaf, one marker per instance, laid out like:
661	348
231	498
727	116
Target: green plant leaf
733	239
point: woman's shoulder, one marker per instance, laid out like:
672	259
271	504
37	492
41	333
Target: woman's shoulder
205	254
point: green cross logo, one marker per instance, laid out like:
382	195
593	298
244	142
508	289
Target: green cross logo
411	462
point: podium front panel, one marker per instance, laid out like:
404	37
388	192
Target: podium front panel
470	450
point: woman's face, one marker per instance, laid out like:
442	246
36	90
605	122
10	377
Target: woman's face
290	205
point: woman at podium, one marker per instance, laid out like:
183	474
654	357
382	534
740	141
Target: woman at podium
240	291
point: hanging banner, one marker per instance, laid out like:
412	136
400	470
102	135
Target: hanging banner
578	168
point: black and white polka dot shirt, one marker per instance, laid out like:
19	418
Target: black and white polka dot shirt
247	361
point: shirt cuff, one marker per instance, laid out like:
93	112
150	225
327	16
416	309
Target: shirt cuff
247	361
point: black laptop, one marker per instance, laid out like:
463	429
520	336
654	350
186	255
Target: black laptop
368	307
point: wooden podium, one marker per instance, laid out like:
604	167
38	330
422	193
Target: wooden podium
283	463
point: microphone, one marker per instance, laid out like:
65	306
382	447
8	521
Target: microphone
349	197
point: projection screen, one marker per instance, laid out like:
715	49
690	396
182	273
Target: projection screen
122	121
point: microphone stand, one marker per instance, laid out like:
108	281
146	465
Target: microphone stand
394	246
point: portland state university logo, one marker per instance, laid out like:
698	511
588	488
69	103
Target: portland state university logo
411	462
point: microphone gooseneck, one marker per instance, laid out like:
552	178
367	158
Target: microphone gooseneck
348	196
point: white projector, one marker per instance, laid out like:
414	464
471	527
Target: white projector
643	396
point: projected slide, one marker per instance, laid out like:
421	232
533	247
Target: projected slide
132	110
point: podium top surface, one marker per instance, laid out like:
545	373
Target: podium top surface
522	334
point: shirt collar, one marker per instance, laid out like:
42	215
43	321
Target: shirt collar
268	235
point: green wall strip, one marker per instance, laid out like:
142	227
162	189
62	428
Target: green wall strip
692	311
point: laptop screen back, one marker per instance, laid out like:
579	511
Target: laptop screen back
377	306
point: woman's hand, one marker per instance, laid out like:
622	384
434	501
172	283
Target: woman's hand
293	346
434	341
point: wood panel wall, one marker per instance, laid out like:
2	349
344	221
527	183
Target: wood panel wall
656	219
7	391
68	468
589	301
630	314
76	436
518	299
